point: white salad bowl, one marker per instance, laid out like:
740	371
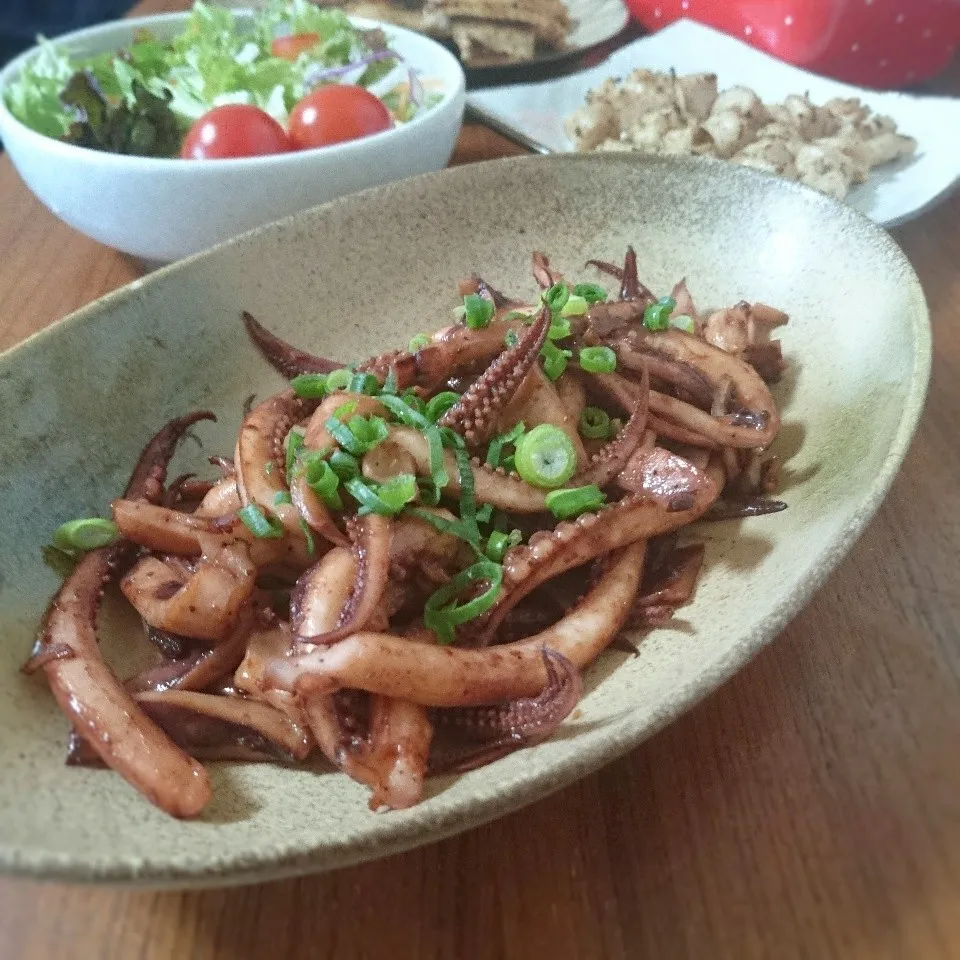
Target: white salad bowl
162	209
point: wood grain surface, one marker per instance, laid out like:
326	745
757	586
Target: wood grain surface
810	808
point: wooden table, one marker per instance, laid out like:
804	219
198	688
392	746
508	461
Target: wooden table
810	808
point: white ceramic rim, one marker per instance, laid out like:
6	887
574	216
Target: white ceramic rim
447	63
315	859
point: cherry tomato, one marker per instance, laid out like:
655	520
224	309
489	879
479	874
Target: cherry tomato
234	130
336	113
289	48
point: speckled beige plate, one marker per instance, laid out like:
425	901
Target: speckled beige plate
363	274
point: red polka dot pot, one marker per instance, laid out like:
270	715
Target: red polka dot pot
874	43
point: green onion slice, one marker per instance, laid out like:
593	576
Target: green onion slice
310	386
683	322
495	450
412	418
339	379
412	400
559	329
323	480
478	311
345	466
440	404
308	536
511	338
556	297
429	492
386	499
295	444
597	360
259	524
591	292
499	543
442	613
360	434
418	342
86	533
546	457
594	423
571	502
576	306
390	381
657	315
280	497
364	383
555	360
485	513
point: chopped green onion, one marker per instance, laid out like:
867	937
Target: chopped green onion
511	338
390	381
61	562
345	409
412	400
308	536
554	360
495	450
440	404
556	297
360	434
657	315
546	457
259	524
339	379
597	360
591	292
87	533
468	502
295	444
684	322
281	496
478	311
559	329
484	513
451	439
576	306
269	467
323	480
418	342
412	418
499	543
364	383
569	503
454	527
523	315
443	614
594	423
310	386
387	499
345	466
429	493
398	491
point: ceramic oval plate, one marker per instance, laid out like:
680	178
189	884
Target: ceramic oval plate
362	274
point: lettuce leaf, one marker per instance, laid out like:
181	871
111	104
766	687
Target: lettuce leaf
34	98
216	59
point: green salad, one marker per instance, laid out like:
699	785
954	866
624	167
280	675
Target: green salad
294	76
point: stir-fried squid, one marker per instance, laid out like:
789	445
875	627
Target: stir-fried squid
407	563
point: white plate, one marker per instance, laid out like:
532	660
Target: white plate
534	112
592	22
